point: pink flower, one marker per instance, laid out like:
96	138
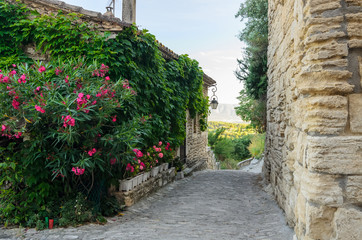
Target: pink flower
92	152
14	65
160	155
78	171
114	118
22	79
113	161
15	104
67	79
12	73
88	96
39	109
107	78
148	154
3	128
41	69
57	71
37	89
68	120
158	149
130	168
141	167
80	95
6	79
160	143
18	134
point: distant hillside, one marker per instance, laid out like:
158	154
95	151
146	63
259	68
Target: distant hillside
225	113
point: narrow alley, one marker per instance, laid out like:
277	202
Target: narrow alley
208	205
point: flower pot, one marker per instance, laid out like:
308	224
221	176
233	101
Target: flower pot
165	166
140	179
154	171
125	185
146	176
134	182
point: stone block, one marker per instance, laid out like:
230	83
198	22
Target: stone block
347	224
355	43
321	189
328	82
335	155
318	6
318	222
354	3
354	189
327	50
355	112
323	115
360	68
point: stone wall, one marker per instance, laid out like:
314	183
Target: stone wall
197	151
314	133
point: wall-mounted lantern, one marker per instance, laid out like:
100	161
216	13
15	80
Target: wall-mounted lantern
214	101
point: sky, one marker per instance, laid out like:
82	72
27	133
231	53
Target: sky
206	30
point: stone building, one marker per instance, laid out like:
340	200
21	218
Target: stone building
194	152
314	114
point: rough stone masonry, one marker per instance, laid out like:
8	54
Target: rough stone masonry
314	113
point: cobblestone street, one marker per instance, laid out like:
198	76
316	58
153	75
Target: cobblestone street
208	205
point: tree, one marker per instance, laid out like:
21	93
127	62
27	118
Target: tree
252	69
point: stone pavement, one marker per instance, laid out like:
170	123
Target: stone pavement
208	205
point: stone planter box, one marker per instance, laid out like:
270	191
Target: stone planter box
148	187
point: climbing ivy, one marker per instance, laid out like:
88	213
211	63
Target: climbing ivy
165	88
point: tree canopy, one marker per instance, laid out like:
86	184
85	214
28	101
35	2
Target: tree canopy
252	69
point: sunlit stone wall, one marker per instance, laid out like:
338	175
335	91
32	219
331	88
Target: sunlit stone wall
314	133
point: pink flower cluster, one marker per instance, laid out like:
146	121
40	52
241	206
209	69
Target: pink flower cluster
168	147
92	152
15	103
22	79
6	132
58	71
82	101
113	161
39	109
68	121
42	69
105	93
78	171
130	168
4	79
157	149
101	72
139	154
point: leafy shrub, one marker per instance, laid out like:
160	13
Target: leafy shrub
64	119
256	147
241	151
224	149
76	211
